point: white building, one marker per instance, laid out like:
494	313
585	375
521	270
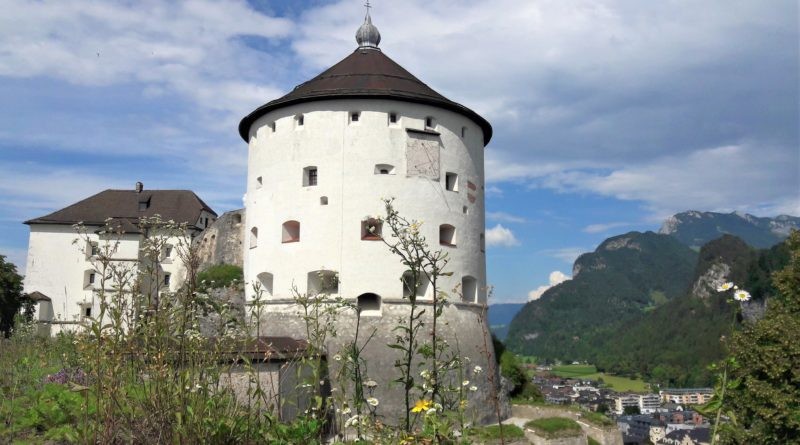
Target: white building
62	268
647	403
319	161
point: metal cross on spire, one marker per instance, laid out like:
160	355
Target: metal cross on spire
368	6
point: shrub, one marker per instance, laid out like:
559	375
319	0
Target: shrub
551	427
220	275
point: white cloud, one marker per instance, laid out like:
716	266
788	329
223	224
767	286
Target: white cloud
600	228
565	254
556	277
504	217
737	177
500	236
186	47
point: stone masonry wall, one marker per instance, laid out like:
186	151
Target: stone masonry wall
221	242
609	435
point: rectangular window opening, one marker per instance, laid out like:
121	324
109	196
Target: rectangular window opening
354	116
451	181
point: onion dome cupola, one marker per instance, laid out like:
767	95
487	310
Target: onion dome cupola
367	73
367	35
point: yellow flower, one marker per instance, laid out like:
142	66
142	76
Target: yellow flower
420	406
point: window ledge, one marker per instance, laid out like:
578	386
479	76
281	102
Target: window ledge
291	241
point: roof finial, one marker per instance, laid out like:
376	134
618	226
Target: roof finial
367	35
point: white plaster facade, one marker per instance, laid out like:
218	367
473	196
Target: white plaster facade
348	157
60	263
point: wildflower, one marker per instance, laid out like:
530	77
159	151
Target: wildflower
425	374
346	410
463	404
741	295
351	421
473	388
421	405
477	369
370	383
724	286
465	383
430	411
373	401
337	357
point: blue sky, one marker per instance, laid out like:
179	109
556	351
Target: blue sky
608	115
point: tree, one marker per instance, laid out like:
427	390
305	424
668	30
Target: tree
11	298
631	410
763	392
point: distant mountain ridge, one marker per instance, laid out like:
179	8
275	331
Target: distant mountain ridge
500	316
695	228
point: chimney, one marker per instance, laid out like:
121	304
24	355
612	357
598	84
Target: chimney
139	187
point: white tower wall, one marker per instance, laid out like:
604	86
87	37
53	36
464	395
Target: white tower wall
345	154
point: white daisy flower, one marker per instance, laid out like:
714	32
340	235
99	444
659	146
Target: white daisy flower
724	286
373	401
741	295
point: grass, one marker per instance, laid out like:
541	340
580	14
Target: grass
596	418
492	432
592	441
589	372
552	427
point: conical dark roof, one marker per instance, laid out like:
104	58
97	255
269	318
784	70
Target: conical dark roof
365	74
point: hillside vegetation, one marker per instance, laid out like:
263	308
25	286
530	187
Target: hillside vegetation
626	276
623	313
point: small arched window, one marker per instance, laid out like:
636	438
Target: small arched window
408	285
384	169
299	121
469	289
265	283
253	237
447	235
323	282
291	232
429	122
393	118
369	305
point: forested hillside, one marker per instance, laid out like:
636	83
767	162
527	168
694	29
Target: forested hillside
674	344
643	304
625	277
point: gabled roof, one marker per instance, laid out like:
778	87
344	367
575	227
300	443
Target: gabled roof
181	206
38	296
367	73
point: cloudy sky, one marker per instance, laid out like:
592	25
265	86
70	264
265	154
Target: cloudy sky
608	115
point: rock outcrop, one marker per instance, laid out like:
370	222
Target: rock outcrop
221	242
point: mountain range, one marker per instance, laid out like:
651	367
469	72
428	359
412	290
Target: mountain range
695	228
645	304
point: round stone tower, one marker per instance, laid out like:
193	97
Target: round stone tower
319	161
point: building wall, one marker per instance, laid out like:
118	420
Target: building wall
59	261
345	155
57	264
461	326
